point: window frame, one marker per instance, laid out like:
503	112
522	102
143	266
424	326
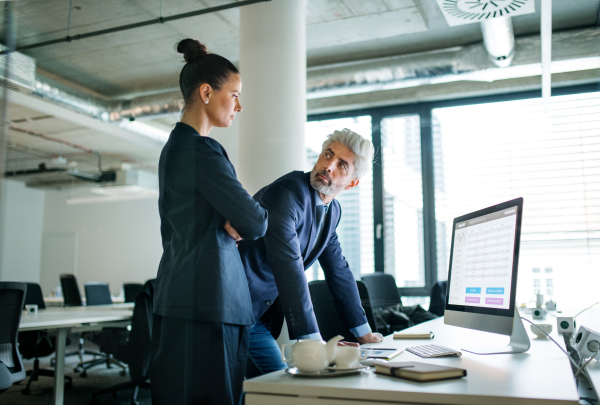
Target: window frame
424	110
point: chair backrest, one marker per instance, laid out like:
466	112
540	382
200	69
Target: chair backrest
12	298
328	318
138	343
34	296
365	301
70	291
131	291
97	294
382	289
437	304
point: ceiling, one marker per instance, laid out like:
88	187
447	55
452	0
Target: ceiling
142	61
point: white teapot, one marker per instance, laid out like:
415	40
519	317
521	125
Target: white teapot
311	355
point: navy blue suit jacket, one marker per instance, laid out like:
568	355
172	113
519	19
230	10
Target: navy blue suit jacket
275	263
200	276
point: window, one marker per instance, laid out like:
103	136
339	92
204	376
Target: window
488	153
403	200
355	231
443	159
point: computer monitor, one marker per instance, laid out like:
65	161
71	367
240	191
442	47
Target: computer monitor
482	275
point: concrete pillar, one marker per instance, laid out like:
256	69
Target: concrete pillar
273	70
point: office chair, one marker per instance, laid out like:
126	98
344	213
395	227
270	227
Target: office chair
36	343
382	290
99	294
384	298
12	298
72	298
136	350
328	318
131	291
70	291
437	304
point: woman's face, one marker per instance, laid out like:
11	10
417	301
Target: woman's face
225	103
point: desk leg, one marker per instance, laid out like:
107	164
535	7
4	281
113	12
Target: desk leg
59	371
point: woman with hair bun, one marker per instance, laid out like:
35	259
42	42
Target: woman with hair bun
202	306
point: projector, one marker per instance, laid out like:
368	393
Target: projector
587	342
565	324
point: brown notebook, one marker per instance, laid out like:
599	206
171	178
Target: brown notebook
413	370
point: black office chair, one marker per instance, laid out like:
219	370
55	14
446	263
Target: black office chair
131	291
382	290
36	343
328	318
70	291
136	350
72	298
437	304
12	298
99	294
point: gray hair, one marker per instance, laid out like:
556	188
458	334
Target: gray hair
362	148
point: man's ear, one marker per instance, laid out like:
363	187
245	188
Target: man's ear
352	184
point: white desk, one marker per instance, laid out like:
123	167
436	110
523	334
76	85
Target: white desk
80	318
541	376
58	301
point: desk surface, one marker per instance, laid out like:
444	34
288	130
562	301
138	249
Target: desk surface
541	376
54	318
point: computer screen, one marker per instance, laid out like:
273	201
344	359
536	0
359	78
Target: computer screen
482	273
482	260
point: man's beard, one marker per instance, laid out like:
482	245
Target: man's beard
319	185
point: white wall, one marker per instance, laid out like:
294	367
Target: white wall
112	242
23	217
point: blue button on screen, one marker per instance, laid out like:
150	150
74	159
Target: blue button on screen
473	290
495	290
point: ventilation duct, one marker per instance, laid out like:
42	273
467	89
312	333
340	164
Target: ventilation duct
499	40
495	19
22	69
575	50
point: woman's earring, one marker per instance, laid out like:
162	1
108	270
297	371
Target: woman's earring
206	102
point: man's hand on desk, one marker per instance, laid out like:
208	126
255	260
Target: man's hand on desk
370	338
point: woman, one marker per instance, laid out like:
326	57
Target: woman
202	306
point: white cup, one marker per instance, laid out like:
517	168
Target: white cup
348	356
546	327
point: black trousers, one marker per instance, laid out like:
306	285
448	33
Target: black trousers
194	362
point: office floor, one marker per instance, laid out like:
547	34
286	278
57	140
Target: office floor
98	378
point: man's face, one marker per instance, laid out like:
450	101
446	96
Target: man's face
334	171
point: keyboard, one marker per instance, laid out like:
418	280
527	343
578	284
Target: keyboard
427	351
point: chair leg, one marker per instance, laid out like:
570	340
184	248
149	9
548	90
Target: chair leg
136	390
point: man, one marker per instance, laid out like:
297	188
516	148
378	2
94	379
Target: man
303	216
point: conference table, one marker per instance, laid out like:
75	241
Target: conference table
542	375
76	319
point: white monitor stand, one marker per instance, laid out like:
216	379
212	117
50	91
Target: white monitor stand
519	340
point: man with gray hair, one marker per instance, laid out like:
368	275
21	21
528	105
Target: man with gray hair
303	217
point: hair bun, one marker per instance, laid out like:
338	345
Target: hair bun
191	49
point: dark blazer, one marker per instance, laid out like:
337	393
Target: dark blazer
275	264
200	276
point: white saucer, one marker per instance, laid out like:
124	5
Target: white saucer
355	366
328	372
